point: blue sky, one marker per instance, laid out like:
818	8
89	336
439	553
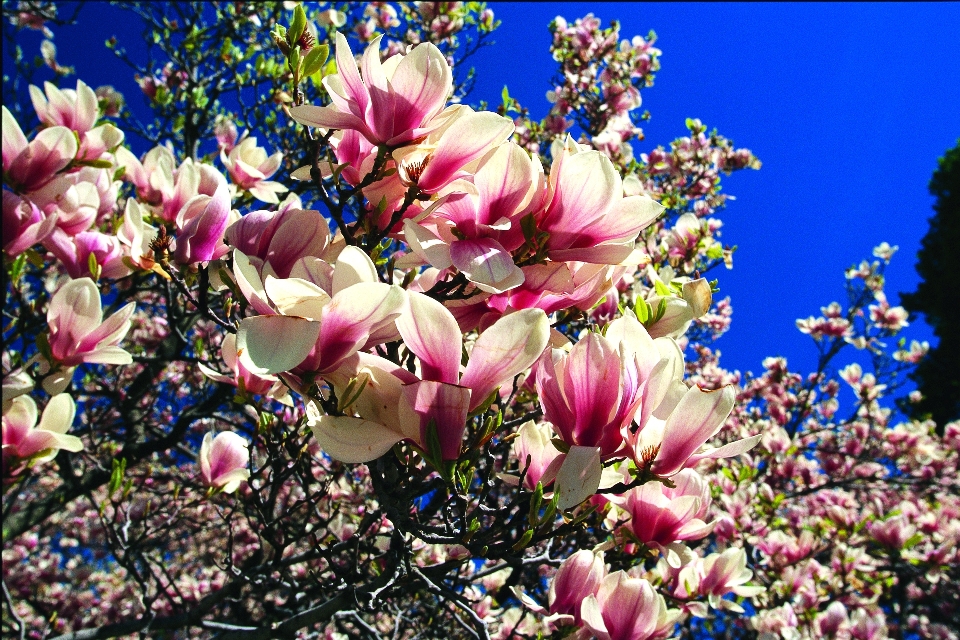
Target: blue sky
847	105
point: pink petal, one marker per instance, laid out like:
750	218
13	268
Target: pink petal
430	331
697	418
352	316
443	404
511	345
468	138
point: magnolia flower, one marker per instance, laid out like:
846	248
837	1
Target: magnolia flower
79	111
29	166
594	392
487	222
717	575
317	330
249	169
78	252
661	515
24	439
586	214
223	461
78	332
578	577
626	608
392	104
24	225
201	224
274	241
393	404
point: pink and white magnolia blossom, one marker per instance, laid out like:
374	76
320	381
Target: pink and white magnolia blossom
586	214
395	100
275	241
77	252
78	332
578	577
250	169
626	608
223	461
486	218
717	575
316	330
31	165
394	405
78	110
24	225
661	515
201	223
24	439
593	393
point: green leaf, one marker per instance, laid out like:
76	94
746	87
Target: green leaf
561	446
315	59
524	540
116	475
533	515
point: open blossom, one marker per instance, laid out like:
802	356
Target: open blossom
394	404
587	216
78	332
663	515
717	575
78	110
24	439
392	103
223	461
250	169
477	231
889	318
31	165
594	392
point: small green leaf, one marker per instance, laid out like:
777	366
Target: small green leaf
524	540
315	59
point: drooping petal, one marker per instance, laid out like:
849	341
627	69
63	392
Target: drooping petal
274	344
579	476
350	439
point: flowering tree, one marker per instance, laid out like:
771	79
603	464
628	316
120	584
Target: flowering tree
389	365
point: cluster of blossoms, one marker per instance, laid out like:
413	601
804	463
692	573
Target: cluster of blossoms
472	380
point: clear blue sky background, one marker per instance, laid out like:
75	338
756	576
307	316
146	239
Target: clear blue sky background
847	105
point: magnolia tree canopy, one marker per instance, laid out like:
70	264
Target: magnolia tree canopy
337	355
